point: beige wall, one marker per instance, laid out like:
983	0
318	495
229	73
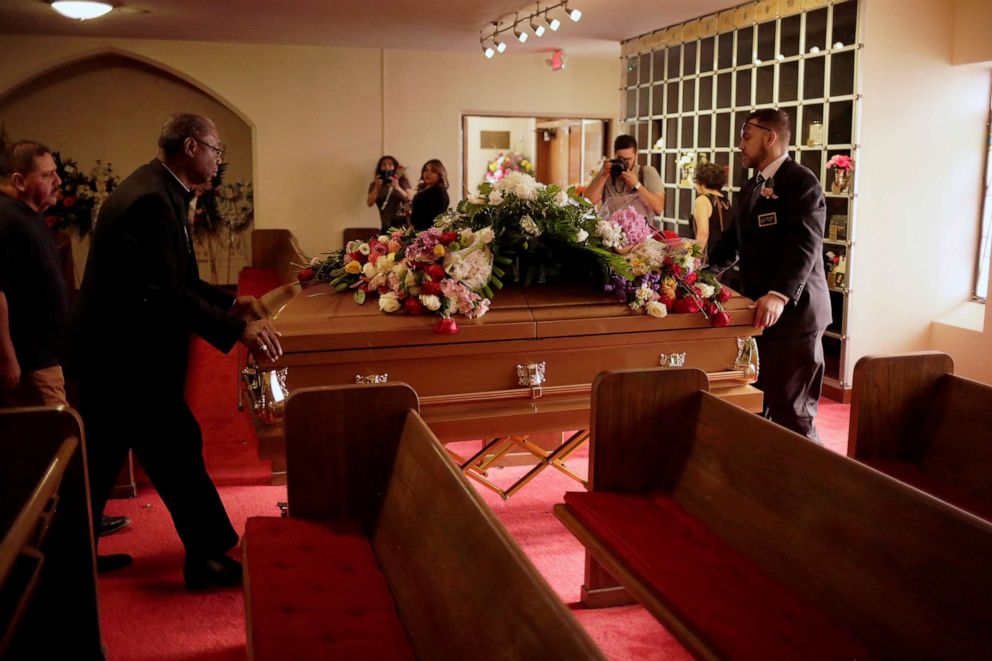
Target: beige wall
972	31
920	179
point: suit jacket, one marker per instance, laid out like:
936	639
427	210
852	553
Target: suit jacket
142	296
779	244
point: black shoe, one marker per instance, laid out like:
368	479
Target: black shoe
220	570
112	562
111	524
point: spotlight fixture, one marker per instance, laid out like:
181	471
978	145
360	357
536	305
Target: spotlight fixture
487	51
521	36
573	14
538	29
81	10
553	23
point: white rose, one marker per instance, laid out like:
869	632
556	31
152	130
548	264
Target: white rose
495	197
400	270
368	270
582	236
476	198
430	301
561	198
389	302
704	289
486	235
656	309
410	279
382	238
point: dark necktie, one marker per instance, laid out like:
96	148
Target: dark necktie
759	183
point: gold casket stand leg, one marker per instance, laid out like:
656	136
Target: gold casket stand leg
476	467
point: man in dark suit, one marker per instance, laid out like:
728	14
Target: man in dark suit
779	220
140	302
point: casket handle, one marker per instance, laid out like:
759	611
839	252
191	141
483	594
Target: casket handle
532	375
672	359
372	378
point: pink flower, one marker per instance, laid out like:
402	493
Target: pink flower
840	162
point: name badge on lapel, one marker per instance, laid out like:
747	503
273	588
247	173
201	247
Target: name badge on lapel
767	220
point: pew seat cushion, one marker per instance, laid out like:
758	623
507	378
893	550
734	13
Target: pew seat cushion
737	607
253	281
915	476
314	590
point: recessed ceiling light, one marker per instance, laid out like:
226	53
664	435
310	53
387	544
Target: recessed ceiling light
81	9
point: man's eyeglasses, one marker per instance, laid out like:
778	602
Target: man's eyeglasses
217	150
757	126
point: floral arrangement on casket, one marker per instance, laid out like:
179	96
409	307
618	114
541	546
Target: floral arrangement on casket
503	164
521	230
80	195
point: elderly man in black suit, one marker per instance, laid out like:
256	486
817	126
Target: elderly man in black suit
779	220
140	302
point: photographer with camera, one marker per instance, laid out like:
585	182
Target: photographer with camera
391	192
623	183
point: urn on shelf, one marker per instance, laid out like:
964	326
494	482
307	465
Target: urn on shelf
842	166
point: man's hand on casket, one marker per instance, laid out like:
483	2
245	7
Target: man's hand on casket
248	308
262	339
768	309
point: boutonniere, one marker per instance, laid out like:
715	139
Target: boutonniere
768	190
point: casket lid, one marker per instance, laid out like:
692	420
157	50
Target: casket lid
316	319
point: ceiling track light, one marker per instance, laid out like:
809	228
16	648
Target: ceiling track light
544	23
520	35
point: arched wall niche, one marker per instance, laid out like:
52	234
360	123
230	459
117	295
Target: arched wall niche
109	106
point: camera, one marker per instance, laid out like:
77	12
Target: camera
385	175
617	167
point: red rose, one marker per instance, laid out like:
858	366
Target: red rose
431	288
356	256
412	306
721	318
435	272
51	220
669	234
712	309
306	275
446	326
690	277
373	257
723	295
448	238
668	302
69	201
686	306
677	270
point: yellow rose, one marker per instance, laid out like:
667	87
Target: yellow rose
439	250
353	268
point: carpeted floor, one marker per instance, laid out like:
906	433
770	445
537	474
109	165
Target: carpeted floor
147	614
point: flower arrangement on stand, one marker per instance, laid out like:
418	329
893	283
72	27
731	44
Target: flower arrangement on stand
222	214
686	164
842	166
80	195
523	231
503	164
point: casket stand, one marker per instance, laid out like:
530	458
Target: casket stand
522	369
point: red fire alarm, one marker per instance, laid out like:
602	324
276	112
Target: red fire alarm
557	60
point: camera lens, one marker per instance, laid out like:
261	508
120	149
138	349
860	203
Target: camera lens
617	168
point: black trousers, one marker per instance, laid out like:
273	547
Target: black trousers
167	442
791	377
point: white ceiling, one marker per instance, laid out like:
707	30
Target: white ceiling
435	25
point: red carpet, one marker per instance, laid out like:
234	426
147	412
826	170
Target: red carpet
147	614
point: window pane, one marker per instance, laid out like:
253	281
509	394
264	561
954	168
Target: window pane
706	52
688	95
765	84
706	93
631	109
723	130
723	89
657	100
743	97
689	58
813	81
813	135
816	30
645	65
845	24
788	81
642	134
669	177
642	102
704	138
655	134
841	119
687	139
745	46
813	159
766	41
686	197
842	74
790	36
674	57
672	102
658	60
725	46
671	132
631	71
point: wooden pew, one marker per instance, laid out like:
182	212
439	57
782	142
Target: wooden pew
388	551
913	419
48	599
746	541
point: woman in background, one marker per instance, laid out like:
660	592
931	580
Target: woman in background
390	192
431	199
711	215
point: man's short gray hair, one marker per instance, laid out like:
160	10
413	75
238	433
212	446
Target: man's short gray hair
177	128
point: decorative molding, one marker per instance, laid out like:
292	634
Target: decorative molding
708	25
727	20
746	14
789	7
690	30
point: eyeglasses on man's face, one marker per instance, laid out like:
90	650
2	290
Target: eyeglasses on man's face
218	151
745	126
